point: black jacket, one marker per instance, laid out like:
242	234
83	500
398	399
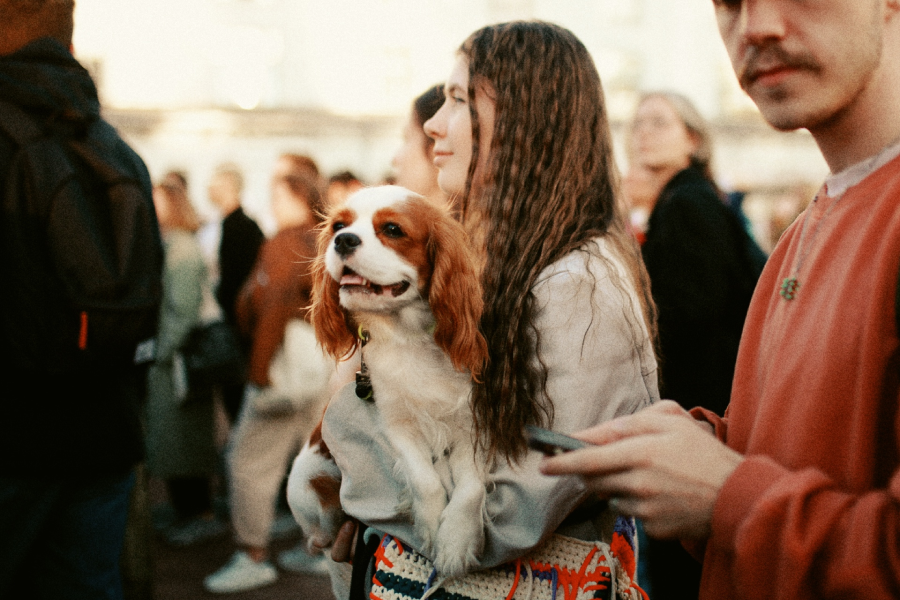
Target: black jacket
701	281
238	249
59	417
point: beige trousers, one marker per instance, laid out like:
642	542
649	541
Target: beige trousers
262	449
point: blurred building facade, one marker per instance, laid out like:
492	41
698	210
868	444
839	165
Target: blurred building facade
192	83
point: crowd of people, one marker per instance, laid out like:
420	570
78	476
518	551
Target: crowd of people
741	411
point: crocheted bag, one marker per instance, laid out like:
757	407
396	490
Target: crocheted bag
561	568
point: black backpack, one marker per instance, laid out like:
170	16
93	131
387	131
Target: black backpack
101	230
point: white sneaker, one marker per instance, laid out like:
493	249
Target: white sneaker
298	560
241	573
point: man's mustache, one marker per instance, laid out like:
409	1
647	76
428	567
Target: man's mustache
765	57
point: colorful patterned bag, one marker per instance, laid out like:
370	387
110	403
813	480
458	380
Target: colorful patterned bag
561	568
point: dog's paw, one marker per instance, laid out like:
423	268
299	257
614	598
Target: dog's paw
427	517
460	543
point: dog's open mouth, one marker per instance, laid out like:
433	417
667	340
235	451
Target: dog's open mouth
352	281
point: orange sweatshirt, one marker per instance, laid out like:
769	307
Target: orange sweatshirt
814	510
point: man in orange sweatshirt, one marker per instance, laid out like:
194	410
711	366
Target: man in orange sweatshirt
796	492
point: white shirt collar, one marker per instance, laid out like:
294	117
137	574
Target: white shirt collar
837	184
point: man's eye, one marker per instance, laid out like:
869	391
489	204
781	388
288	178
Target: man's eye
392	230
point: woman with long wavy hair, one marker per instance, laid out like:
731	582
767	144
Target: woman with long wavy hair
522	144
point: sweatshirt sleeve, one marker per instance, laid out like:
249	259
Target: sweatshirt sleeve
796	534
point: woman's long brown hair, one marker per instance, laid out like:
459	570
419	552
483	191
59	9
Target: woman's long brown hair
550	186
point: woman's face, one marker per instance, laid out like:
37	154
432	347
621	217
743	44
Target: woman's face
413	163
659	138
451	130
163	210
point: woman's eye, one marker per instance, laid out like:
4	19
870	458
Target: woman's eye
392	230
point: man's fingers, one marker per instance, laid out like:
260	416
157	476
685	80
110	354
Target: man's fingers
595	460
654	419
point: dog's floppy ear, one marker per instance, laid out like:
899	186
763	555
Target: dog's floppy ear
455	296
334	329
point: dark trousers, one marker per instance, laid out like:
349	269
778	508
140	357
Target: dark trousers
190	496
674	574
62	539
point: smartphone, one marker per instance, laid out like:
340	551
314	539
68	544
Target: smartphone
551	443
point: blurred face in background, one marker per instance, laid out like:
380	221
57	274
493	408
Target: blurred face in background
163	209
288	208
659	138
413	163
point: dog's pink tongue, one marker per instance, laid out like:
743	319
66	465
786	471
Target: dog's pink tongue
353	279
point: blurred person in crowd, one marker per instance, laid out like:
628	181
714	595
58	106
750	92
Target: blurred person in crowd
299	165
70	434
640	189
239	244
698	269
176	177
341	185
264	444
413	163
694	252
795	493
179	420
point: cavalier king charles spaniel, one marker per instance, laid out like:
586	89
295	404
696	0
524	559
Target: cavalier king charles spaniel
396	279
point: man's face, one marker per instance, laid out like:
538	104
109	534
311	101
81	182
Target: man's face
803	62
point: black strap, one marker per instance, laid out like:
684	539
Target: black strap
362	558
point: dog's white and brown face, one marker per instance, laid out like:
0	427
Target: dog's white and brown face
401	268
386	250
377	251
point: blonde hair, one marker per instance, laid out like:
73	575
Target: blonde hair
182	213
694	122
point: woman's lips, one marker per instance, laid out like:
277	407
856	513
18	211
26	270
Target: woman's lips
440	158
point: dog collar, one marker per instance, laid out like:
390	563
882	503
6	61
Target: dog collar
363	381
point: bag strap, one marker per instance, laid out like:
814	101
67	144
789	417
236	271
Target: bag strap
362	559
18	124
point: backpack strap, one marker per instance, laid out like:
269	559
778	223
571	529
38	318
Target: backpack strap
20	126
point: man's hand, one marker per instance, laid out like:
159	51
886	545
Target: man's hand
660	465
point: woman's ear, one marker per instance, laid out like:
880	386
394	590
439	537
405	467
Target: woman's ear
455	297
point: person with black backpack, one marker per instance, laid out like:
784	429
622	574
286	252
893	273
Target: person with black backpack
81	269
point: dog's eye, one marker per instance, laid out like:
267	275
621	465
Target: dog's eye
392	230
338	226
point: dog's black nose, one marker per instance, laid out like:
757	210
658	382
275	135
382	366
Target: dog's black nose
346	243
